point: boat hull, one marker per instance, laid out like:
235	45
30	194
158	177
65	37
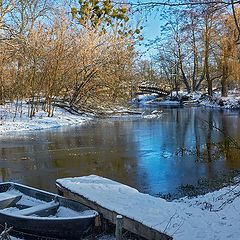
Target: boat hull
35	227
40	228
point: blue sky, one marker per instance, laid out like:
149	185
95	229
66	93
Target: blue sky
151	30
151	22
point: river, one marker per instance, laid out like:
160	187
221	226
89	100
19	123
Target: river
154	155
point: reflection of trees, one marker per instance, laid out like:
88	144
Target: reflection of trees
3	174
23	160
212	137
183	122
196	124
210	144
4	171
177	126
174	146
105	149
209	136
226	140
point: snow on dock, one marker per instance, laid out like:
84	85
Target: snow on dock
212	216
111	198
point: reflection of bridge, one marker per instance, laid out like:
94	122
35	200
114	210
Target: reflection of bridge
161	90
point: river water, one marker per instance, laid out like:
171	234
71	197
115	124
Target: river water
154	155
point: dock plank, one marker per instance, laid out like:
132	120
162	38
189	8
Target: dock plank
78	190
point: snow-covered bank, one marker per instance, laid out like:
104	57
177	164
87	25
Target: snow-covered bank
232	101
17	121
214	216
145	98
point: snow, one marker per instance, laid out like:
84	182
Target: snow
145	98
213	216
25	200
12	120
63	212
153	114
232	101
169	103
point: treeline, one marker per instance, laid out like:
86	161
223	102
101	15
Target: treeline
48	57
199	47
80	54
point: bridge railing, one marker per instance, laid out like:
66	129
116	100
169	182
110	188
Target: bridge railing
153	89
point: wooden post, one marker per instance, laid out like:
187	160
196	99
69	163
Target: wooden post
119	224
98	221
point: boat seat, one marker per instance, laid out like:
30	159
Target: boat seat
39	208
7	199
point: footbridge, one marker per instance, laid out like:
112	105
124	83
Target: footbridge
161	90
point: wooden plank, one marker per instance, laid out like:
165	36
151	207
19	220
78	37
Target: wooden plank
128	223
39	208
7	199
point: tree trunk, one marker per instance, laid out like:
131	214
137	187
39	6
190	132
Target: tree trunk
224	74
1	79
195	63
209	81
185	81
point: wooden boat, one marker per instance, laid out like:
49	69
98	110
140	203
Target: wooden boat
42	215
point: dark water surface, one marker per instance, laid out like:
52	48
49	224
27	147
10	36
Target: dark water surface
152	155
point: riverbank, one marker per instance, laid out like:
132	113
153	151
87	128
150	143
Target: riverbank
232	101
14	119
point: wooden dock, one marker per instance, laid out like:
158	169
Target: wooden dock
78	190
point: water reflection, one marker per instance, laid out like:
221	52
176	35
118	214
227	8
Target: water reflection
152	155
